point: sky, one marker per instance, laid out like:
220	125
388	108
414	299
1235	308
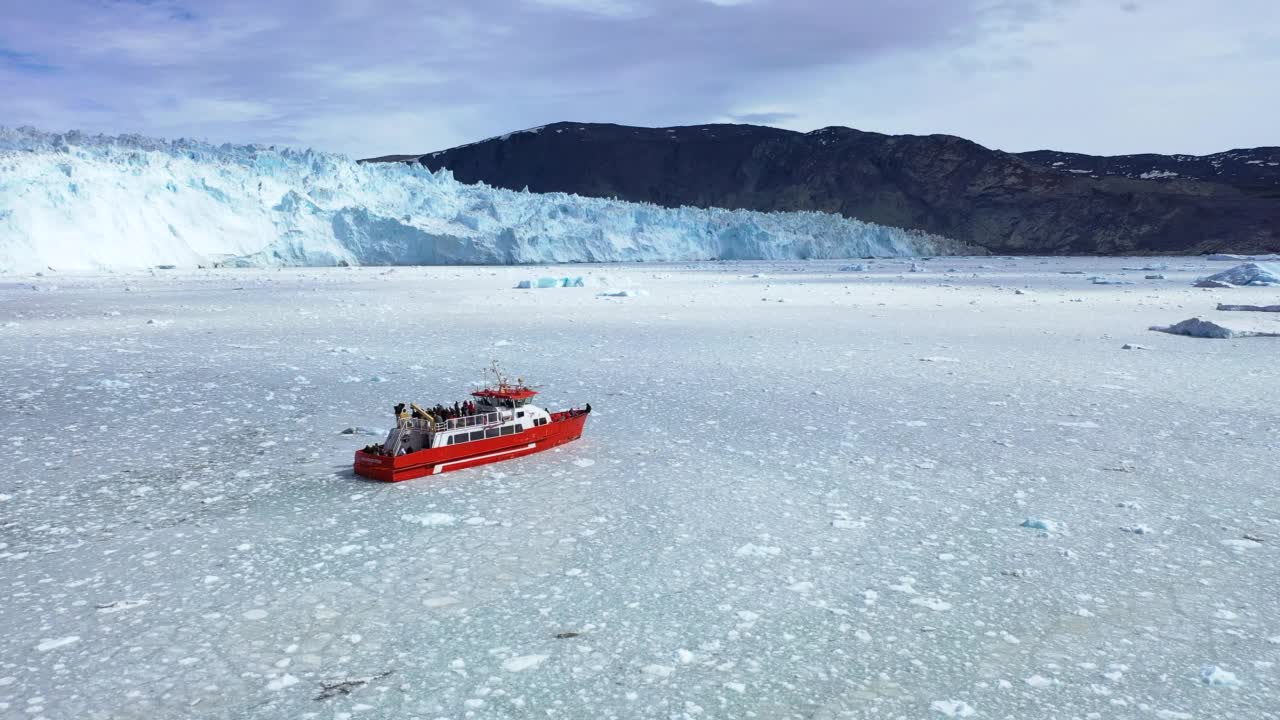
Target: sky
372	77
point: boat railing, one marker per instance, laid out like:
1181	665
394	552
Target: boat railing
466	421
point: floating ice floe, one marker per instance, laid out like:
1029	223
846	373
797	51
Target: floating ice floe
1217	677
952	708
549	282
360	430
1249	308
856	267
1036	523
430	519
1040	681
55	643
1228	257
1099	280
523	662
623	293
1250	273
1195	327
752	550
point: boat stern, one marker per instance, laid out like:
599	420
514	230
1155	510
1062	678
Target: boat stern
375	467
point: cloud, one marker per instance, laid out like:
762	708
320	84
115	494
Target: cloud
24	62
608	8
1087	76
373	77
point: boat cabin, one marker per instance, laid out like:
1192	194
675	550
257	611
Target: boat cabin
502	411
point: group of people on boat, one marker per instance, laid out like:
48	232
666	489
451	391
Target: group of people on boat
438	413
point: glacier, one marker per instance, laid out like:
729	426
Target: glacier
74	201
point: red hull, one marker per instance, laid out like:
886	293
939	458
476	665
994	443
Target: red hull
563	428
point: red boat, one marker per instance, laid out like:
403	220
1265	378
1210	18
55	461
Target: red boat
500	424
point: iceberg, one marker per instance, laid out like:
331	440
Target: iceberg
74	201
1240	275
1195	327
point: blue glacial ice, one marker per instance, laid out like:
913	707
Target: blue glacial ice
73	201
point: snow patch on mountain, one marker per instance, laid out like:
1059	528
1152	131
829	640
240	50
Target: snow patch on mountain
79	202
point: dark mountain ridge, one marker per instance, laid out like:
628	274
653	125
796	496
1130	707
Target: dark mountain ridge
1029	203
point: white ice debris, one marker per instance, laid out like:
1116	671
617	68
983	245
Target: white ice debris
740	543
523	662
1137	529
282	682
430	519
932	603
1217	677
1040	681
952	708
55	643
751	550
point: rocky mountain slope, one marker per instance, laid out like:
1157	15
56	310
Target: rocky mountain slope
1255	170
1039	202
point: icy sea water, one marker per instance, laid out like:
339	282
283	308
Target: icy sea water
804	493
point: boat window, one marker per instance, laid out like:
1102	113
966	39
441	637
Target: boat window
477	435
491	432
507	429
448	440
519	427
520	414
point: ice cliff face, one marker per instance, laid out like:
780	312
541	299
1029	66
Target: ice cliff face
73	201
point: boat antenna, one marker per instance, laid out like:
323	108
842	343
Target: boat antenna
499	380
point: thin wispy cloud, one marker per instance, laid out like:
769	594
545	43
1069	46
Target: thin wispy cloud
381	76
